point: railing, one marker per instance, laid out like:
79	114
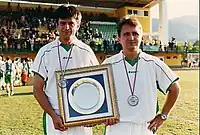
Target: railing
114	48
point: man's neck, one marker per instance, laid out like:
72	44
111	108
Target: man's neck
66	41
131	54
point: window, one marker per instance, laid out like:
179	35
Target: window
175	57
168	57
140	13
146	13
129	11
135	12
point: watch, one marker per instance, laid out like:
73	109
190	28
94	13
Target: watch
163	116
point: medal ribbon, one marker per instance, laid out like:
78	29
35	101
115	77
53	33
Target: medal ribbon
129	82
62	71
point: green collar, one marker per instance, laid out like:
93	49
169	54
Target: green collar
131	62
66	47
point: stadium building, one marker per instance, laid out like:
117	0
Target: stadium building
27	26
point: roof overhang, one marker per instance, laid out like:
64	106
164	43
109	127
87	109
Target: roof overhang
102	3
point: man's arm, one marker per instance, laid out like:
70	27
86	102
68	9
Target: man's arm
40	96
169	103
171	98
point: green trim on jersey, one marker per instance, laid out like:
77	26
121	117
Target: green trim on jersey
131	62
171	84
158	87
66	47
157	107
104	130
1	74
44	124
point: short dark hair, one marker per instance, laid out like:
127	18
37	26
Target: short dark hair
127	20
65	12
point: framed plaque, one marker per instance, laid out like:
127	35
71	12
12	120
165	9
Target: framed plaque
88	96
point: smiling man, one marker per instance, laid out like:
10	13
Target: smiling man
137	77
64	53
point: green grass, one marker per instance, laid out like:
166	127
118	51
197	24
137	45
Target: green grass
21	114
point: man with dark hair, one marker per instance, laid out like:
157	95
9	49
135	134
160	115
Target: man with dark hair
64	53
137	77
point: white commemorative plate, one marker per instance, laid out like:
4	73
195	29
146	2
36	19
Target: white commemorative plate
86	96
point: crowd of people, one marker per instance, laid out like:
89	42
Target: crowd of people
30	29
14	73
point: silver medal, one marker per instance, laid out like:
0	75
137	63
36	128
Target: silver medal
133	100
62	83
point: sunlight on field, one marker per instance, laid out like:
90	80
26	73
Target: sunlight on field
184	118
21	114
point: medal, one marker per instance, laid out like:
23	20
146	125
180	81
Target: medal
62	83
133	100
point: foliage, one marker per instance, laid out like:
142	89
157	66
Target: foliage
196	46
196	43
191	47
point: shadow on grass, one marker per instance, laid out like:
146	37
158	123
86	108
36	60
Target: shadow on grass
19	94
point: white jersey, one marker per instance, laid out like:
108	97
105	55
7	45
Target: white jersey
152	74
47	62
2	82
2	65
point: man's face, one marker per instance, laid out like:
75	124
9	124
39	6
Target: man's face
130	37
67	28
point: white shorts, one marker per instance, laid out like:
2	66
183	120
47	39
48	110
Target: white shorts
128	128
50	130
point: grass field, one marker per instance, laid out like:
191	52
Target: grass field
21	114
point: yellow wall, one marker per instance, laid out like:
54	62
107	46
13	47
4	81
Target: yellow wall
144	20
101	57
120	12
19	55
171	62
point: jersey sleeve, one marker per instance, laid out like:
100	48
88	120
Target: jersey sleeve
39	66
106	61
93	58
165	77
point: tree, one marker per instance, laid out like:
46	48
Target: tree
195	47
196	43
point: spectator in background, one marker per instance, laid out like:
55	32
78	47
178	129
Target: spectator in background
9	73
1	73
186	46
18	72
25	72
